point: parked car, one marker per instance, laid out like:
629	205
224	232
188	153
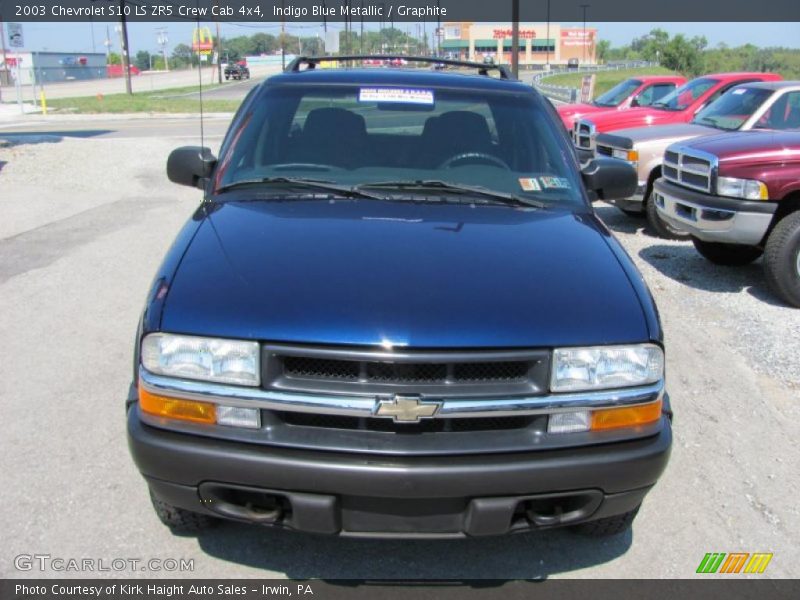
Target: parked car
759	105
678	107
573	63
430	333
237	71
633	92
738	196
118	71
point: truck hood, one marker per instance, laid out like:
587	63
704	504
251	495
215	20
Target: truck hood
570	112
744	146
611	120
673	132
370	272
653	140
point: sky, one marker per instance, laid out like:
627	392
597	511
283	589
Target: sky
87	37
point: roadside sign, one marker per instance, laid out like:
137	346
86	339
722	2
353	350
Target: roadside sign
202	41
587	87
15	39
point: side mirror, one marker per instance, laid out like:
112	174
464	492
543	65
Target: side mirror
190	165
635	102
610	178
584	154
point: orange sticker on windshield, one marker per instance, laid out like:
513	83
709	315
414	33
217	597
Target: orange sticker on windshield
529	184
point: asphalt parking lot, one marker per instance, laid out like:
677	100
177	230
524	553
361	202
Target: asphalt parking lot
87	219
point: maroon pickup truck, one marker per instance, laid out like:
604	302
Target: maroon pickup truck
738	196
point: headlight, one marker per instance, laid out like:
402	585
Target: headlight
629	155
208	359
749	189
603	367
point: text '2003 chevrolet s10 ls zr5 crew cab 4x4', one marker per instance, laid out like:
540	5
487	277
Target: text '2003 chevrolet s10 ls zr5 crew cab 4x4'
395	313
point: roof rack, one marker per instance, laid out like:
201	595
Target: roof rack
483	69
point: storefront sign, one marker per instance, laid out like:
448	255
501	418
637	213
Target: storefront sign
524	34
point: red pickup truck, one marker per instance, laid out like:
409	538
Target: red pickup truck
678	107
633	92
738	195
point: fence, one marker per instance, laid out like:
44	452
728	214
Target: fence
570	94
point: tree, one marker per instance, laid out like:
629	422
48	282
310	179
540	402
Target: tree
114	58
652	45
684	56
142	60
311	46
603	49
182	56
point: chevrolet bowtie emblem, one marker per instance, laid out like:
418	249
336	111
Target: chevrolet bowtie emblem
406	409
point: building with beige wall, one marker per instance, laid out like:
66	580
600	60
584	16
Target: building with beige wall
475	41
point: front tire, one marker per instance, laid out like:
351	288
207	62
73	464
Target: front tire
782	260
660	227
180	520
729	255
608	526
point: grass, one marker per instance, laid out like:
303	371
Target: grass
176	100
605	79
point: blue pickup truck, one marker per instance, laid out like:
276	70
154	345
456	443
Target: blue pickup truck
395	313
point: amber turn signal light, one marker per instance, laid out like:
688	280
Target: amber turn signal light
176	408
626	416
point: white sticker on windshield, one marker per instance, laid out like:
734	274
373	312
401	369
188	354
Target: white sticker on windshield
557	183
403	95
739	91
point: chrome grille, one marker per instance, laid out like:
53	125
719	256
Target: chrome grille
605	150
584	134
689	168
438	374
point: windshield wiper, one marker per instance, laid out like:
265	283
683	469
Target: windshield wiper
455	188
710	121
316	184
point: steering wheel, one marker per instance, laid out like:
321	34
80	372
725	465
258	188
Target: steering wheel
474	156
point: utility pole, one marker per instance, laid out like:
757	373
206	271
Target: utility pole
547	56
219	56
283	36
583	40
3	78
439	32
107	44
126	61
515	38
162	42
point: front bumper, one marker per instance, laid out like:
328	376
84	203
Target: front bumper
634	203
427	496
713	218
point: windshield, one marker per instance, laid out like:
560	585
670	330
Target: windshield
357	136
616	95
685	95
732	109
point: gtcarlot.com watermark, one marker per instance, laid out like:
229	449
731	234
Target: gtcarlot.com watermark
47	562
